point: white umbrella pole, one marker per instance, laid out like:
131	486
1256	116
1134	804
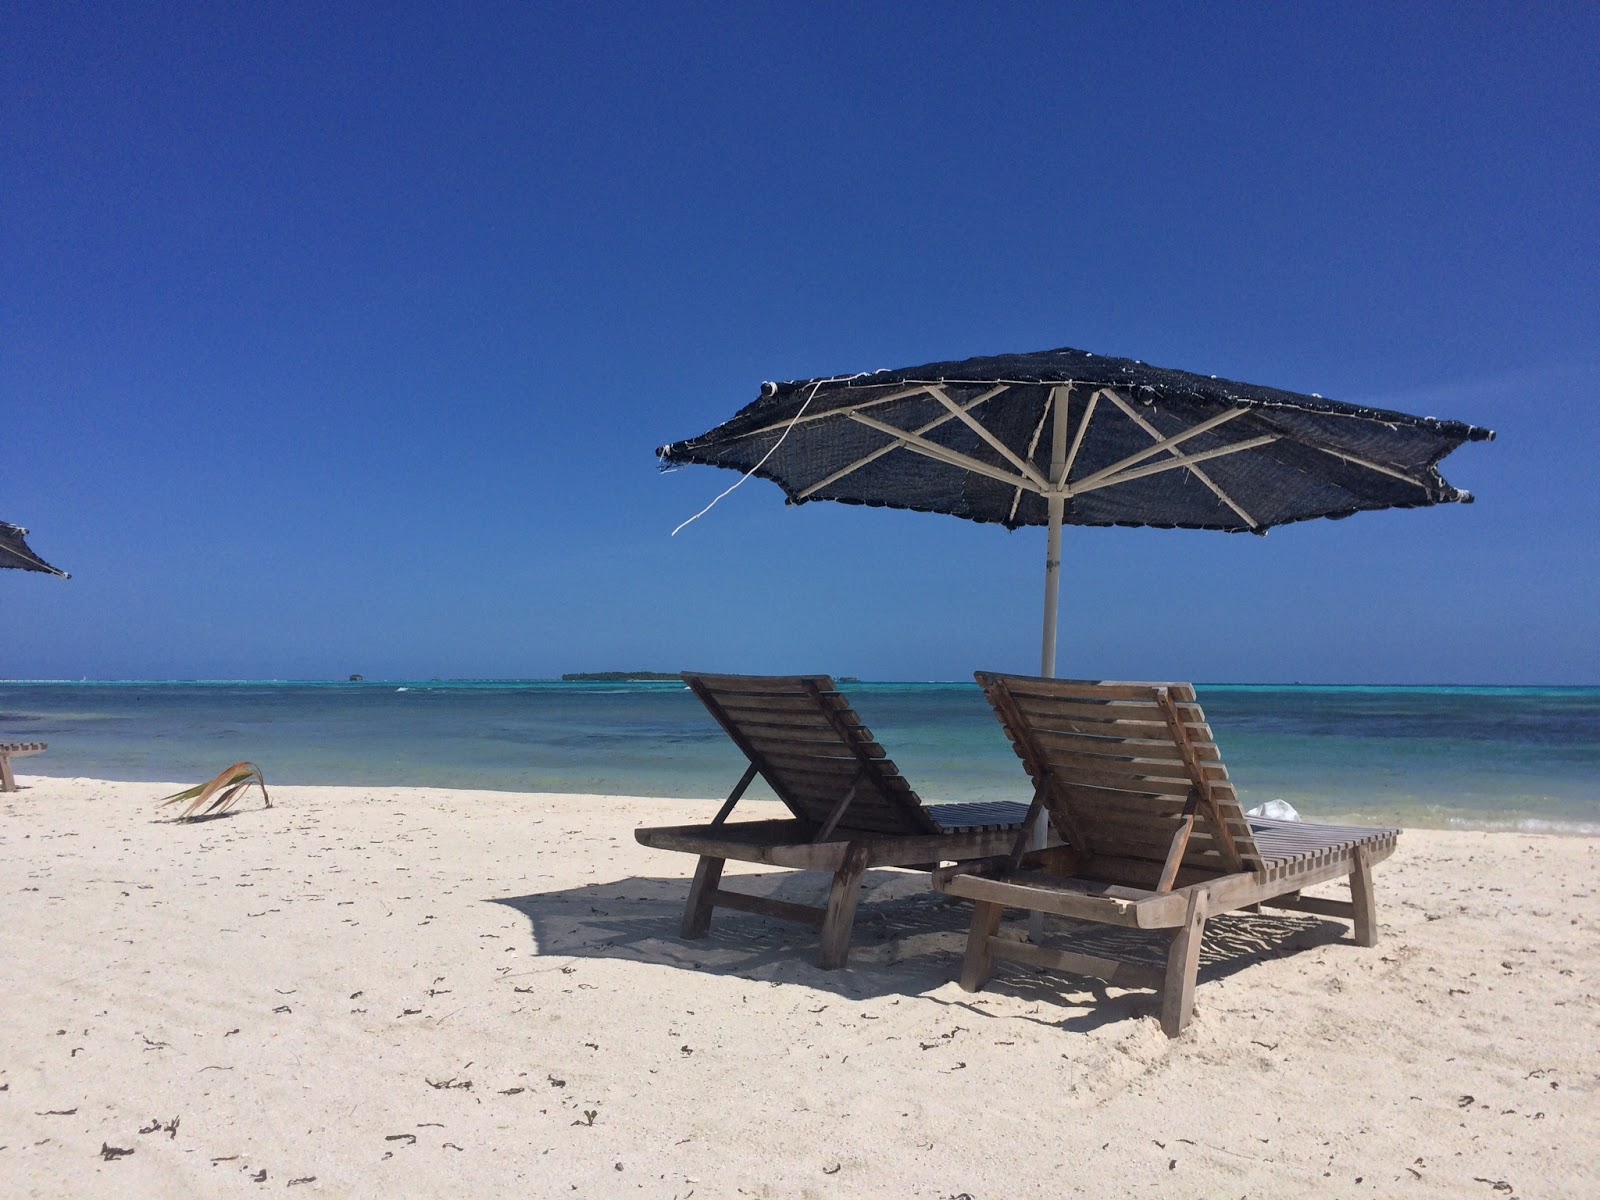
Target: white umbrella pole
1055	504
1047	668
1052	588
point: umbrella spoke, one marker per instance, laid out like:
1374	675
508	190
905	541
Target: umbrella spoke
1005	451
1155	433
906	393
1033	443
1161	443
1181	460
1371	466
943	454
899	442
1083	429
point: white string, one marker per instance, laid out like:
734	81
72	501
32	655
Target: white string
764	458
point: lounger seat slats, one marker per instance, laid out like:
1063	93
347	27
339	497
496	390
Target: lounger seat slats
1292	846
823	776
776	708
1105	691
809	740
1098	785
852	808
1130	802
1155	836
1119	747
996	814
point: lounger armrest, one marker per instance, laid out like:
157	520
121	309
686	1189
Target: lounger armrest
777	843
1083	899
1053	860
988	868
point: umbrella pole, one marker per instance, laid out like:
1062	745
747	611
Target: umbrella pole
1047	668
1052	588
1055	507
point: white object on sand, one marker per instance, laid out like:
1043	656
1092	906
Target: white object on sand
1277	810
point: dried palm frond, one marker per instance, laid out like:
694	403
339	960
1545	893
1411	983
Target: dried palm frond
221	792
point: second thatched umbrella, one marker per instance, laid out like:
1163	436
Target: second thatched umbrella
15	552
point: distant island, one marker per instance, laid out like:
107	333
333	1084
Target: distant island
644	677
620	677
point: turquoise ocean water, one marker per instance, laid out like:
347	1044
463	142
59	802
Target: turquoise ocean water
1477	757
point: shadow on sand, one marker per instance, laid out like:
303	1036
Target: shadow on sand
907	941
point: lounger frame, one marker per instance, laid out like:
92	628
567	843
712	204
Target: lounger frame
10	750
1155	837
852	810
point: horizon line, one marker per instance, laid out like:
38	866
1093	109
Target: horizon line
849	680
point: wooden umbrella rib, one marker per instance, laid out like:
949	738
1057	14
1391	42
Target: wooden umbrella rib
1033	443
904	393
1155	433
897	444
1371	466
1083	429
1182	460
1161	444
944	454
988	436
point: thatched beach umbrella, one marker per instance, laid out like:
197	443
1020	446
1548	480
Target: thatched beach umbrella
1065	437
14	552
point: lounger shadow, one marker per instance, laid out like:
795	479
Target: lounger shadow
908	941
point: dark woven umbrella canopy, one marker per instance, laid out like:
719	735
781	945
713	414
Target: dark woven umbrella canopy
15	552
985	439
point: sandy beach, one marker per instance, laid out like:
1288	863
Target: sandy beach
421	992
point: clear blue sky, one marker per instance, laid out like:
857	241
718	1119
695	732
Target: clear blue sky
338	338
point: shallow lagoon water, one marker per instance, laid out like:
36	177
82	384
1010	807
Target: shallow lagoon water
1480	757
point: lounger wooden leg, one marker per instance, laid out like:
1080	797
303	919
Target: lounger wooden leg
1183	964
702	897
841	911
8	782
985	922
1366	911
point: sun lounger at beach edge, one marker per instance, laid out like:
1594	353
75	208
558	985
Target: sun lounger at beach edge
1154	836
852	810
10	750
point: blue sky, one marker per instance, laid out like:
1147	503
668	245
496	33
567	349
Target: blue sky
338	338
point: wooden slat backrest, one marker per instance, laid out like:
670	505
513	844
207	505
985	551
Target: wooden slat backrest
811	747
1121	761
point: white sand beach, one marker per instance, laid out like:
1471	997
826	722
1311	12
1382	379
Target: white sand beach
416	992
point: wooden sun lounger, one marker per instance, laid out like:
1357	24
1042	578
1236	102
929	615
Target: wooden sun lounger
1154	836
852	809
10	750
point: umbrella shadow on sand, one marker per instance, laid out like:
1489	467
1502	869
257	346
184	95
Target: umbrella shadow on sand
907	941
